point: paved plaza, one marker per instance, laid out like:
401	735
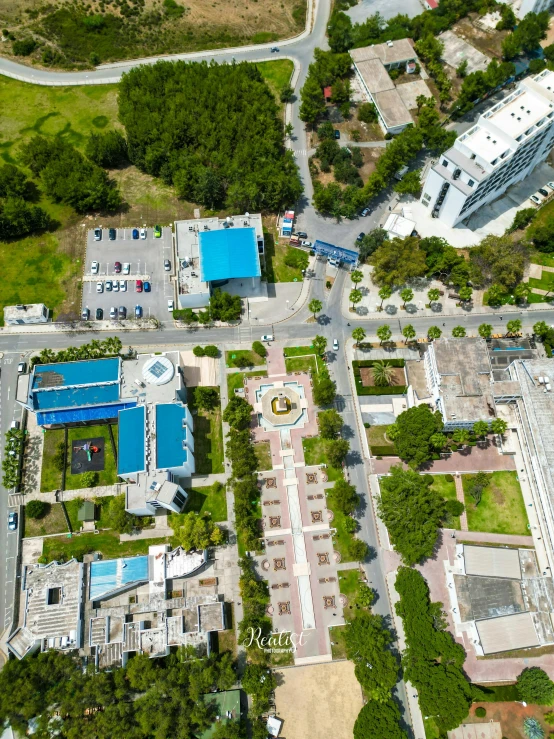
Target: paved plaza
299	562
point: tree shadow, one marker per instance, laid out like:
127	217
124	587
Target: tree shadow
391	310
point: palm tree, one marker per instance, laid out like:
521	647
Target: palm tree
384	293
409	332
433	295
532	729
465	293
315	306
384	333
406	294
499	426
355	297
514	327
480	429
357	276
458	332
460	436
485	330
358	335
47	356
383	373
434	332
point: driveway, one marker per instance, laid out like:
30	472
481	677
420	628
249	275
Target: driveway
387	8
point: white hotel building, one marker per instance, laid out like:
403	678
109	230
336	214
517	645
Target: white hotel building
504	146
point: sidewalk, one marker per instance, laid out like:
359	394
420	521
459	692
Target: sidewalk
482	538
461	499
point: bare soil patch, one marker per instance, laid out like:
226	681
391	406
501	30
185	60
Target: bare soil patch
487	42
366	373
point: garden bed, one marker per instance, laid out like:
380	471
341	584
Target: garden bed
501	509
207	500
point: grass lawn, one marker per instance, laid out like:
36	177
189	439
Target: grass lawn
101	511
376	436
206	500
107	542
50	477
236	380
338	646
349	582
208	438
342	538
277	74
108	476
282	659
545	283
300	358
545	260
52	523
501	510
248	357
447	490
263	453
227	639
275	268
315	453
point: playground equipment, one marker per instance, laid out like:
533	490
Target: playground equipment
87	447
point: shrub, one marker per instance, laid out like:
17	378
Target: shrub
296	258
24	47
198	351
90	479
211	351
480	712
36	508
259	348
58	459
449	478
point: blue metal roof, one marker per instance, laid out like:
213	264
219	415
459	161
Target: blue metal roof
87	372
228	253
111	574
336	252
171	432
74	415
76	397
131	441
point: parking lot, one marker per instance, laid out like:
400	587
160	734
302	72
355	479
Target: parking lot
145	260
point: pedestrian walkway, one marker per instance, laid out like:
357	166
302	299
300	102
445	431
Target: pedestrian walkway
32	459
460	497
84	493
348	566
485	538
275	361
472	459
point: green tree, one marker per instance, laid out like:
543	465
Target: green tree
329	423
499	426
383	373
522	292
259	349
315	307
485	330
465	294
461	70
540	328
458	332
397	262
212	351
355	297
259	682
415	427
357	550
368	644
384	293
438	441
286	94
358	334
433	295
319	344
406	294
495	294
357	276
379	719
206	398
312	105
225	307
371	242
198	351
480	429
344	497
337	449
410	184
107	149
434	332
194	531
324	390
36	508
460	436
501	260
367	113
384	333
408	332
412	511
514	326
238	413
119	519
89	479
532	729
13	182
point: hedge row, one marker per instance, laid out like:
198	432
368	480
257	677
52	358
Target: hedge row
388	390
370	362
383	451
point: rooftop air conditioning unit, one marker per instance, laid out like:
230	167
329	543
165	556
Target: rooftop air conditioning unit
191	228
206	227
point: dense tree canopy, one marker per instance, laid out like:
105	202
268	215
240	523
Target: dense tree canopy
397	261
412	434
432	660
379	720
500	259
213	131
17	216
368	645
107	149
412	511
534	686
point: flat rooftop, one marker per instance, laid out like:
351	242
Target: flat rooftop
398	51
229	253
211	617
505	633
131	441
392	108
171	435
138	383
23	312
64	374
375	76
492	562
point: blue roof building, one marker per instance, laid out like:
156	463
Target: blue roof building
174	440
131	458
228	253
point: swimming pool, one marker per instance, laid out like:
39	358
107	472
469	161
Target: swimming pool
110	574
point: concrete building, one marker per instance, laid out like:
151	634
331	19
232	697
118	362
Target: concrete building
219	252
16	315
523	7
460	382
399	226
372	65
504	146
146	604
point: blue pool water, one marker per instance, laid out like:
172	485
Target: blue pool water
110	574
511	349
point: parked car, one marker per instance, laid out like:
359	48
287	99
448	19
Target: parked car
135	233
337	133
550	185
336	345
306	243
301	234
122	312
14	425
138	311
138	286
108	285
117	267
100	287
170	305
544	192
360	236
146	286
85	314
12	521
116	286
123	286
267	337
142	233
157	232
94	267
274	49
167	265
112	233
366	212
99	314
535	199
113	312
126	268
22	367
98	234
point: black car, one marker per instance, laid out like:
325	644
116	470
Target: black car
301	234
99	314
360	236
112	234
122	312
337	133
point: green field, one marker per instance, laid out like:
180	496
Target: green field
277	74
53	522
235	380
545	260
315	453
302	358
545	283
108	476
501	510
208	438
448	490
106	542
263	453
248	357
207	500
275	268
101	512
51	478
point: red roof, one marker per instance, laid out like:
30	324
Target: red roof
327	92
432	4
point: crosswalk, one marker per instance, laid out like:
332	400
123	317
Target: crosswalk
300	152
244	334
15	499
344	404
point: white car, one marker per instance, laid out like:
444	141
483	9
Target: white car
126	268
535	199
170	305
113	312
267	337
123	286
142	233
116	286
99	287
306	243
98	234
336	345
94	267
